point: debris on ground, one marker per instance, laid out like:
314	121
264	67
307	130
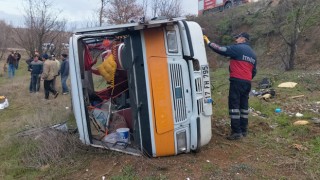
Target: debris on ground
277	110
294	97
299	115
265	83
265	94
4	103
299	147
273	126
254	93
257	113
301	107
61	127
300	122
266	97
288	84
315	120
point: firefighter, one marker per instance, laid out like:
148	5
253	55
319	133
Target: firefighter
242	69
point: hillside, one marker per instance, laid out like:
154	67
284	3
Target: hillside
277	147
266	39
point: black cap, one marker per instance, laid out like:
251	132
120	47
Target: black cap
64	55
45	56
243	34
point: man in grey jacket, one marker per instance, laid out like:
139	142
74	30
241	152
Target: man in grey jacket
64	72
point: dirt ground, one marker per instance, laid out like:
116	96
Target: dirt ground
264	154
249	158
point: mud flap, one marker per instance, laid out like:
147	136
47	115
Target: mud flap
198	137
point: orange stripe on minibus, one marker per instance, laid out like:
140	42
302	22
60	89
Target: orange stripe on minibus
160	92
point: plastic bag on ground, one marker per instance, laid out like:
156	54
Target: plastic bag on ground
111	138
4	103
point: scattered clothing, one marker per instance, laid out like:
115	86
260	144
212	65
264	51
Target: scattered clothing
265	83
288	84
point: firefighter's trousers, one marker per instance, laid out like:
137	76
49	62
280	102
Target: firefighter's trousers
238	105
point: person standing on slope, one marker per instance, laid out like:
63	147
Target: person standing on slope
242	68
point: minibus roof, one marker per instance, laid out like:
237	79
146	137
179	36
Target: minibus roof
113	29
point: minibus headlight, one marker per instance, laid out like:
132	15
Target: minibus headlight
181	141
172	42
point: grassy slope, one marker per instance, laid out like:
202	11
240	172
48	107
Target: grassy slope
268	44
26	111
271	139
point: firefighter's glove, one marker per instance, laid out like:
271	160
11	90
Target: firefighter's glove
206	40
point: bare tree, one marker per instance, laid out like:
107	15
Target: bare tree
102	10
120	11
154	8
145	7
167	8
5	30
41	26
290	19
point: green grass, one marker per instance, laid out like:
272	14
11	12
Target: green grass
12	167
208	166
26	111
315	145
21	156
281	133
128	173
160	177
210	170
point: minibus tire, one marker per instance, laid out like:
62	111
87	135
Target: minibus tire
228	5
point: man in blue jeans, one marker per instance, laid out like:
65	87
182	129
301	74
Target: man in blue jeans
36	67
12	62
242	69
64	72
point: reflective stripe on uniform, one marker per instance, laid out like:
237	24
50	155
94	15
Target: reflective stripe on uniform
234	111
235	116
244	111
244	116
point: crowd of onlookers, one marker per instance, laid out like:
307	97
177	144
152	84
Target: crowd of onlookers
46	68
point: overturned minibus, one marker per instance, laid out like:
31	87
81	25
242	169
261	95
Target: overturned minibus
150	79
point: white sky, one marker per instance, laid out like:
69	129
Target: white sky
72	10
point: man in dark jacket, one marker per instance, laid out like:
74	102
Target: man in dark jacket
36	67
28	61
242	69
64	72
18	57
11	61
